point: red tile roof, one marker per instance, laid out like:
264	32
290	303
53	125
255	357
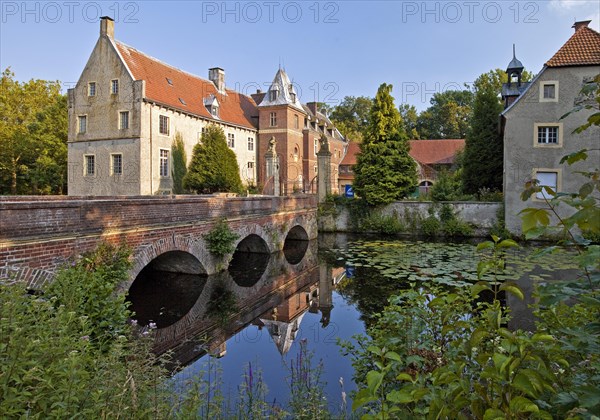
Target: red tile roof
353	150
582	49
431	152
234	108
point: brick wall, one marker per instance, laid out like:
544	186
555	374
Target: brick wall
37	235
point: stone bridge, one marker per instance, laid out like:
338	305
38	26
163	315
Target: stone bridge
40	234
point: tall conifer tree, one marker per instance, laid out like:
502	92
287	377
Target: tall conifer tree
384	171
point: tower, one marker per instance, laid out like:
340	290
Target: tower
515	85
281	116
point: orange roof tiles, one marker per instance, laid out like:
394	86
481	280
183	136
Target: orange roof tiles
353	150
430	152
234	108
582	49
427	152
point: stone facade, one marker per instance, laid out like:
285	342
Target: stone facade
529	151
127	109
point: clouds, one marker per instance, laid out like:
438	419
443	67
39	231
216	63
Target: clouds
577	10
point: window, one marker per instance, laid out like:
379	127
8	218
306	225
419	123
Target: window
549	91
231	140
116	164
163	125
250	172
273	119
82	122
124	120
114	86
89	165
182	101
316	170
250	143
296	121
547	135
214	110
273	94
164	163
92	89
169	81
316	145
547	178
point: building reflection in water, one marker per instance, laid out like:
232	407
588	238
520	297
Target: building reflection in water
273	292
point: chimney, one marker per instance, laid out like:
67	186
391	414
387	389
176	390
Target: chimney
313	107
581	24
217	76
107	27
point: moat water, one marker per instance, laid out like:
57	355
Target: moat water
260	312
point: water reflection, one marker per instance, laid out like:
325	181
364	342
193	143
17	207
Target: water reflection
164	297
246	268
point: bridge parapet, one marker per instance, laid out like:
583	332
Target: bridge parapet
38	234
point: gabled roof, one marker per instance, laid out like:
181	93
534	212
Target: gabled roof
432	152
582	49
168	86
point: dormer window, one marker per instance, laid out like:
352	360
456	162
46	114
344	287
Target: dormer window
182	101
214	110
274	94
169	81
212	105
292	93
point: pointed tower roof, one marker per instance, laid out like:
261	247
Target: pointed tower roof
283	333
515	64
281	92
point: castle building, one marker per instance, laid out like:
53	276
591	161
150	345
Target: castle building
127	109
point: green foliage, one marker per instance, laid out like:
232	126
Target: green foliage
351	116
69	352
483	155
410	118
222	304
33	137
592	91
430	226
179	163
381	223
447	117
213	167
494	79
448	187
220	239
384	172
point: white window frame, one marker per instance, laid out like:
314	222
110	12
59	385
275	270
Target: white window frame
121	113
250	174
166	125
113	157
86	165
557	188
92	88
167	164
545	83
231	140
559	137
114	87
273	119
79	119
316	146
250	144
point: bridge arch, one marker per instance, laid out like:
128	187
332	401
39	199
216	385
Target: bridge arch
171	254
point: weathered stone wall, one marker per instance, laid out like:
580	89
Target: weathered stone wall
481	215
37	235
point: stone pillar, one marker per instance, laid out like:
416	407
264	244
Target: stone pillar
325	293
323	169
273	165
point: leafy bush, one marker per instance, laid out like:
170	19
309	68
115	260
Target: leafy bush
430	226
220	239
386	224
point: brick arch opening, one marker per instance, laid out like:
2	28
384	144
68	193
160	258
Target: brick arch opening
295	245
167	288
249	261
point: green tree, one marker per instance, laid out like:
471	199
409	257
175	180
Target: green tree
483	155
410	119
447	117
33	136
351	116
384	172
179	163
214	167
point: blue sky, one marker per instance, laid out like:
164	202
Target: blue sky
330	49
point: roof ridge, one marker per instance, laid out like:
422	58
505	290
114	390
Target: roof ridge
578	50
173	67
